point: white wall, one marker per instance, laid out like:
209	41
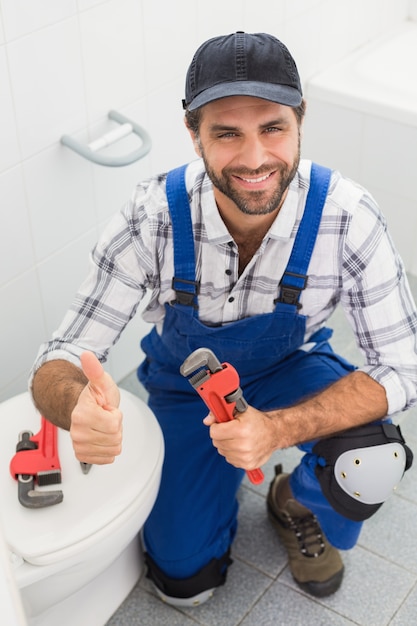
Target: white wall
63	66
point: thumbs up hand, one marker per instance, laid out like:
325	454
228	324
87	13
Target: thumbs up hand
101	384
96	421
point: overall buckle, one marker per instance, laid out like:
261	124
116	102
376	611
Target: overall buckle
187	295
290	294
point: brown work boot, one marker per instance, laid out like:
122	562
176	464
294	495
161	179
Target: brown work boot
316	566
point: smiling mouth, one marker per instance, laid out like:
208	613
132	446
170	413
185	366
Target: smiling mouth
254	181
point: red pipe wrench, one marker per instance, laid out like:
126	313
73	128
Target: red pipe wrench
36	459
218	385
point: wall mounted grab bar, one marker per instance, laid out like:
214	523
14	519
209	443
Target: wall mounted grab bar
90	151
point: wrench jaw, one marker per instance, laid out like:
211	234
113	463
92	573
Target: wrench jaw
200	358
201	365
33	499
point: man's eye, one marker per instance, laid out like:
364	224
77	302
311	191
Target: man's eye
226	135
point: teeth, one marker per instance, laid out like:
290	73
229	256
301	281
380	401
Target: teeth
255	180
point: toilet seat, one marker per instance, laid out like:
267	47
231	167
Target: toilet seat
94	505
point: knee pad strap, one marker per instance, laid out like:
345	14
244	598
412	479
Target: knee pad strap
359	468
211	575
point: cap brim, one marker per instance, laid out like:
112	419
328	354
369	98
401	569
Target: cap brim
282	94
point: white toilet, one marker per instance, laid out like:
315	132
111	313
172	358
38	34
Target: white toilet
76	561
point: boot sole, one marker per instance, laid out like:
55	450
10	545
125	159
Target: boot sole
325	588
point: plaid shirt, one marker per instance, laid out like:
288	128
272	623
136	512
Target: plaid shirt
353	262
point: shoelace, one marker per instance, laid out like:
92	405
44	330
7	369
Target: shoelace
308	533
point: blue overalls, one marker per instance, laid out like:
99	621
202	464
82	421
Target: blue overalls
194	518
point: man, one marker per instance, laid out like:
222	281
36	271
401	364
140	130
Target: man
246	251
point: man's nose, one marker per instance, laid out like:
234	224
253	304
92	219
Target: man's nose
253	153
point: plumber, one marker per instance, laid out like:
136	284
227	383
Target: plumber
246	252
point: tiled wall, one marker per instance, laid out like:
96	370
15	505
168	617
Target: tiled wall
63	66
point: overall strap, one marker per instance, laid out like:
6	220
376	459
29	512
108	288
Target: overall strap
183	282
294	279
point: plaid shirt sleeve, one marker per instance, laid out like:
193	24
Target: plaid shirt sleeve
378	303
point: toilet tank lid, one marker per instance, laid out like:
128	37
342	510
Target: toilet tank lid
95	503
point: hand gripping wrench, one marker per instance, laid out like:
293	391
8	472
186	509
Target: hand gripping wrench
218	385
37	459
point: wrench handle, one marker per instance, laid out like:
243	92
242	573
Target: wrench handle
256	476
48	441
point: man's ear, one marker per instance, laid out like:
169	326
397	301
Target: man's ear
194	139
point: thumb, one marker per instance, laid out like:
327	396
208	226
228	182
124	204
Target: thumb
209	419
99	382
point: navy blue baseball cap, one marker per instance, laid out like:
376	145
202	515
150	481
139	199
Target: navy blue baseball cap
242	64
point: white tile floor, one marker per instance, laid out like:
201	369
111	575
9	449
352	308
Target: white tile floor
380	584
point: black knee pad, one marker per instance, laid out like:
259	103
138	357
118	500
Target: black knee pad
359	468
212	575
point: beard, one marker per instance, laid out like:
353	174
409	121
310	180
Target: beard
256	202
